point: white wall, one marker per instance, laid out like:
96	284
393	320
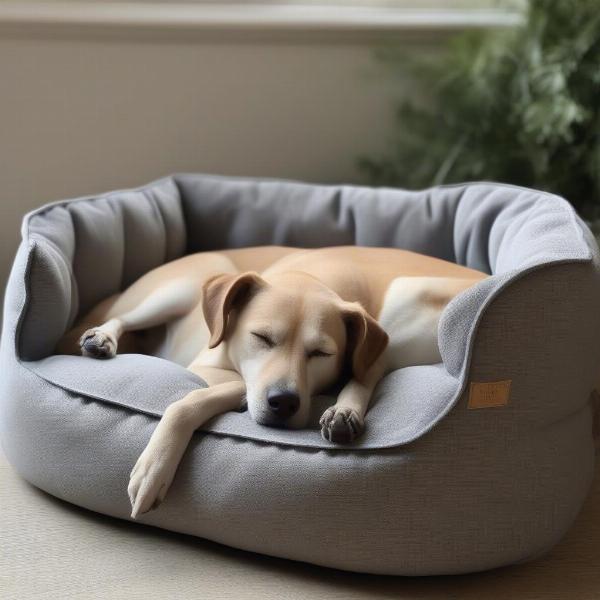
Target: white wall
99	97
79	117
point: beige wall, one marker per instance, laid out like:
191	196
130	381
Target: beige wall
80	117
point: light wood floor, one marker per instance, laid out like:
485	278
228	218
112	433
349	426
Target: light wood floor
50	549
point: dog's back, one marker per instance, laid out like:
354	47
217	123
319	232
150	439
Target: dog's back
364	274
405	291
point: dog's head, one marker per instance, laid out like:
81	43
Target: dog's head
289	337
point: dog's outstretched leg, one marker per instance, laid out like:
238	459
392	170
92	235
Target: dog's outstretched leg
154	470
173	299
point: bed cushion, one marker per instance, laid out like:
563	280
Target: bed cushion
433	486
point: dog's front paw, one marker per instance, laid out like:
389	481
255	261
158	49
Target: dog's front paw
98	344
150	479
341	425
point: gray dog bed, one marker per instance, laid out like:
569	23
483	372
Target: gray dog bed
451	476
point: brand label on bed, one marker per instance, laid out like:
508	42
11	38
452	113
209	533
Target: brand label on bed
489	394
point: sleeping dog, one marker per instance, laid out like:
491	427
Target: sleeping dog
270	327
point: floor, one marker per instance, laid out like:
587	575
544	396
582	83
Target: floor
50	549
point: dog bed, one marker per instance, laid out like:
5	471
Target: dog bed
477	462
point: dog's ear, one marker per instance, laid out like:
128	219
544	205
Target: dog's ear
366	339
223	293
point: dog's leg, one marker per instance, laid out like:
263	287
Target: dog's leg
167	302
154	471
345	420
410	314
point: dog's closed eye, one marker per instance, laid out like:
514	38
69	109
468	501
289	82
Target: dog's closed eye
318	354
265	339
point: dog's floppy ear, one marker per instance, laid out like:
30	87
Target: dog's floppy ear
223	293
366	339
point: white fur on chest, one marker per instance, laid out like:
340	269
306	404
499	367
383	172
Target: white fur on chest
411	320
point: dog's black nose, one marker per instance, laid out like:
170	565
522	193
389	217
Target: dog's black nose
283	404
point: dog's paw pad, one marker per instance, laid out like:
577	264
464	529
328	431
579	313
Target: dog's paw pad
341	425
96	343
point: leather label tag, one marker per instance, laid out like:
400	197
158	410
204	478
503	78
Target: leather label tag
489	394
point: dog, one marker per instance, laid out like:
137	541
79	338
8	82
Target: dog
270	327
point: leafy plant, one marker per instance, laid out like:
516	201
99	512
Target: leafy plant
519	105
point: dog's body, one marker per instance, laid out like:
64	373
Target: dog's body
274	339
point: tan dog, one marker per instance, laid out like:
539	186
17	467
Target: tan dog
273	339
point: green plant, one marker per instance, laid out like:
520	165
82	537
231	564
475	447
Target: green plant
519	105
